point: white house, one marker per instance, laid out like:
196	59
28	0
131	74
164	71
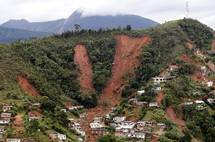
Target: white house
34	115
153	104
209	83
6	115
118	119
203	70
158	88
2	129
6	108
161	125
140	92
13	140
4	121
210	100
97	119
199	102
137	135
61	137
126	125
58	136
188	103
77	127
158	80
140	125
96	125
199	54
173	67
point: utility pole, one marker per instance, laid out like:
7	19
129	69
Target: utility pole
187	9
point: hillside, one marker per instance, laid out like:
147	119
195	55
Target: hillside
8	35
103	72
86	22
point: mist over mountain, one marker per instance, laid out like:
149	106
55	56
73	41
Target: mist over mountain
86	22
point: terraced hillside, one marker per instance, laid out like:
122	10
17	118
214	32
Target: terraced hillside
104	74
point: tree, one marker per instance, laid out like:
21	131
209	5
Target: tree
77	27
47	104
128	27
33	126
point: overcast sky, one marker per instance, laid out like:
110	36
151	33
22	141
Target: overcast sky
158	10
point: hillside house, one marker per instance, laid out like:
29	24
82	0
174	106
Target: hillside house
161	126
173	67
140	92
6	108
36	105
4	121
70	107
158	80
134	101
158	88
97	119
209	83
13	140
2	129
34	115
210	100
57	136
153	104
118	119
199	54
199	102
137	135
122	133
140	125
98	129
63	110
203	70
188	103
126	125
77	127
6	115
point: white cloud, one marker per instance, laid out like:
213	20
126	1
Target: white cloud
158	10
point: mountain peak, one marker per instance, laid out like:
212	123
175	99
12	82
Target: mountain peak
76	14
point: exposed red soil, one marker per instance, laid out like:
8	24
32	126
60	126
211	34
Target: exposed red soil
170	114
187	59
189	45
18	123
86	75
159	98
26	85
125	60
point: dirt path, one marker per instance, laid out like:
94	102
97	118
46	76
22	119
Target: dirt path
26	85
159	98
170	114
86	75
125	60
18	123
